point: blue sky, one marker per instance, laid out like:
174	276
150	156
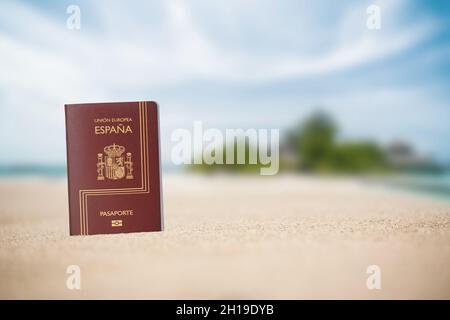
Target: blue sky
228	63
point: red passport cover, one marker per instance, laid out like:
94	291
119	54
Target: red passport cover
113	167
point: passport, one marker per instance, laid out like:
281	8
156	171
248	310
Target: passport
113	167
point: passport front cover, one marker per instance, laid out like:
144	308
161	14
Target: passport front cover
113	167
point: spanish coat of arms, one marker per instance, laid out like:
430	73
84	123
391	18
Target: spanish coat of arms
113	164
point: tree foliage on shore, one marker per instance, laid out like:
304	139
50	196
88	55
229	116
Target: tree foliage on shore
317	149
313	146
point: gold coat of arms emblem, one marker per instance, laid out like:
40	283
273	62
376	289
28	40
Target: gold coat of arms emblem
114	163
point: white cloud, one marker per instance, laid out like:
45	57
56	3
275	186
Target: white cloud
178	51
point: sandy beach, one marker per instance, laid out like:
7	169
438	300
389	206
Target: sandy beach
232	237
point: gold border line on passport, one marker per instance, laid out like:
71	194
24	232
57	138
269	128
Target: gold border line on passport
84	193
144	174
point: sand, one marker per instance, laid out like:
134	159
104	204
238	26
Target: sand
282	237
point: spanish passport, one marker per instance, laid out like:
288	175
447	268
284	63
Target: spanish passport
113	167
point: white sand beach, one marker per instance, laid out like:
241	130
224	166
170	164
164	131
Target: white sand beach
280	237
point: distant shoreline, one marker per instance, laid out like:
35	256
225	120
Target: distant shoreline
428	184
32	170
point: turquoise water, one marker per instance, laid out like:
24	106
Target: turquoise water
33	170
434	184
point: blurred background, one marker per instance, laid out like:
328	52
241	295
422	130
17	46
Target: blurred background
347	99
361	99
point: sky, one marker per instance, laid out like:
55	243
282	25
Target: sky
230	64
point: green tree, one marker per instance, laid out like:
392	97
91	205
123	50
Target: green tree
318	151
315	142
358	157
